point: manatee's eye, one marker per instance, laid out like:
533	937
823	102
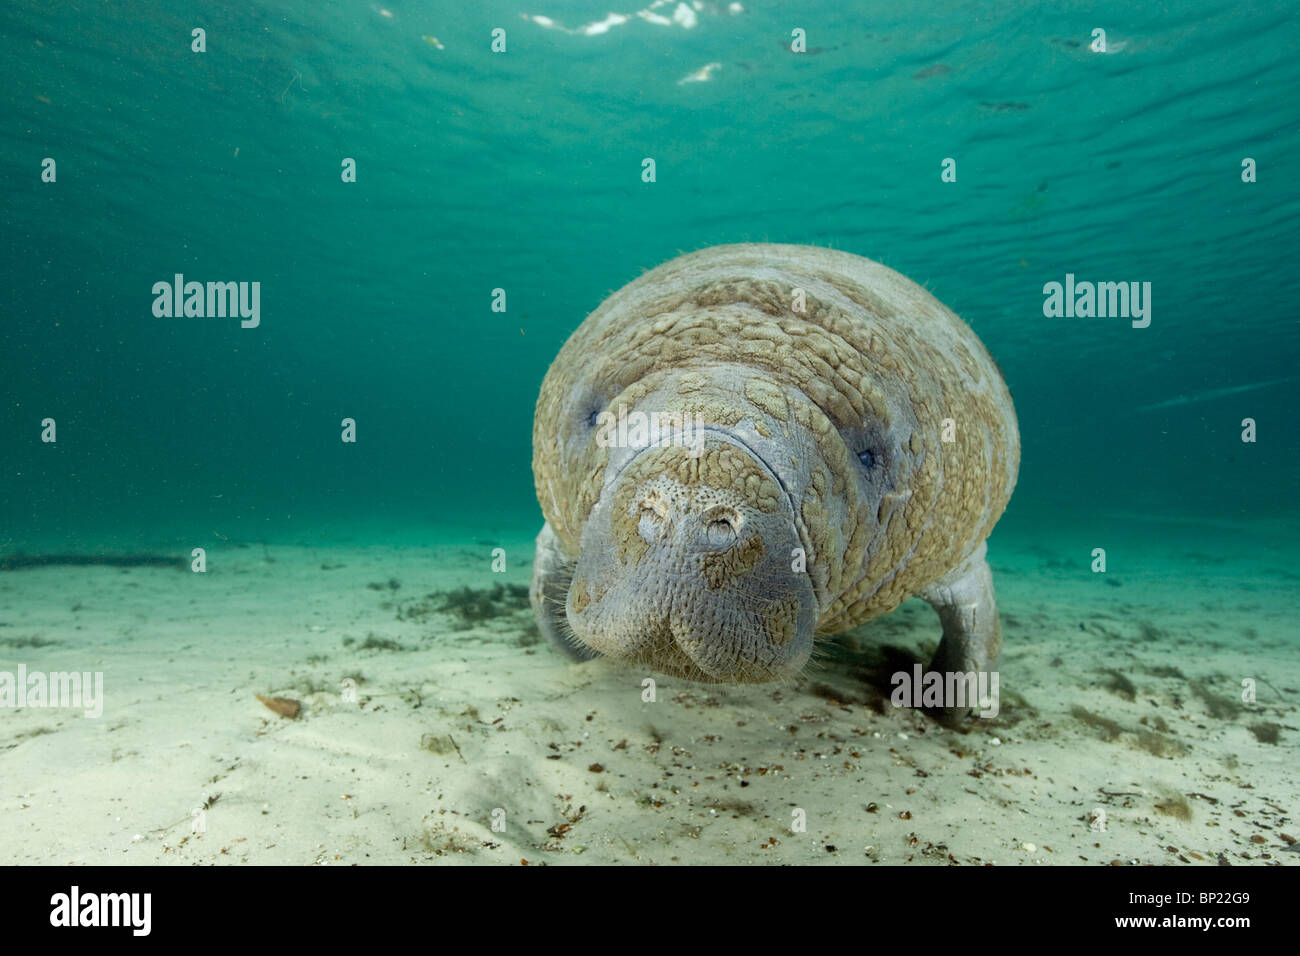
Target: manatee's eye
591	419
867	458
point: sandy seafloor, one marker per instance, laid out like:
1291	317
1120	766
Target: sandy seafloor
455	719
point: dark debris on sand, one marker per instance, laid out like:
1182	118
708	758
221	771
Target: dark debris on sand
469	605
19	561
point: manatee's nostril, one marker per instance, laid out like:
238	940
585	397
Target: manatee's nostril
653	517
654	506
721	534
722	526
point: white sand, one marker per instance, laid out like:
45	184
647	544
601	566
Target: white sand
703	775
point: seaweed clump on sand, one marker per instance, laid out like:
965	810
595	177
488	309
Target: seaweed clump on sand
470	605
1158	745
374	642
18	561
1120	685
1221	708
20	643
1267	732
1174	805
1110	729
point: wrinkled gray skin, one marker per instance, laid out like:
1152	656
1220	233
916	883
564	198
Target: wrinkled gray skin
667	613
681	559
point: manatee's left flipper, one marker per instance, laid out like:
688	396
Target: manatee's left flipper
972	635
552	574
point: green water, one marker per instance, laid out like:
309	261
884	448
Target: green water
522	170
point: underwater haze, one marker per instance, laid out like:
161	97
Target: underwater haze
522	171
431	196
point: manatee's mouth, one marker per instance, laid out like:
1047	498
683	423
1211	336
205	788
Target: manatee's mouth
667	656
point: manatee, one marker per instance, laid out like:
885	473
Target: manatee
753	447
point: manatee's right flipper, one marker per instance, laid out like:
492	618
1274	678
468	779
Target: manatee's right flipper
552	574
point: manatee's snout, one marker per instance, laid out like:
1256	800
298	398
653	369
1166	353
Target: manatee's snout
689	566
